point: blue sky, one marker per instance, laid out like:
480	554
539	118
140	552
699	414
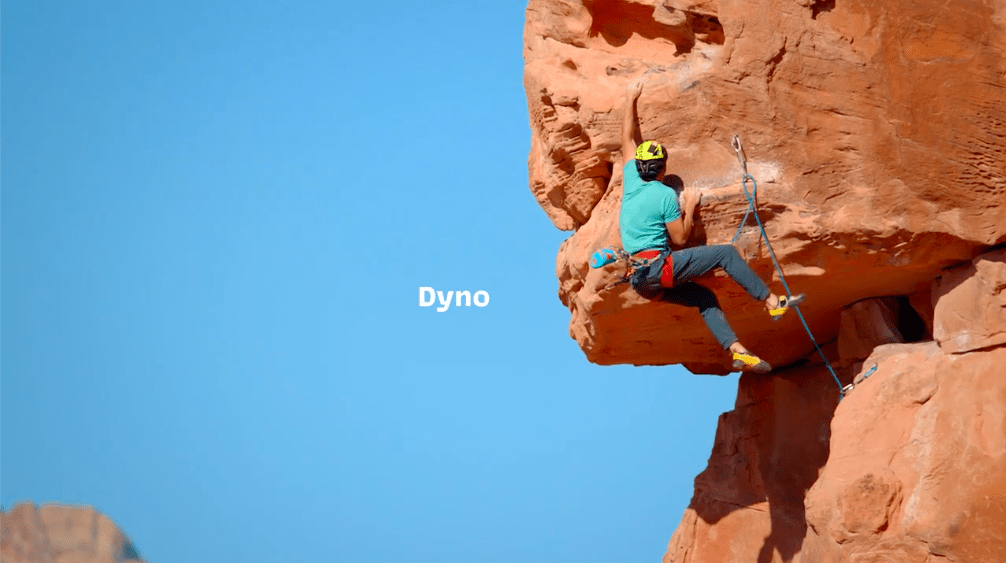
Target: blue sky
215	221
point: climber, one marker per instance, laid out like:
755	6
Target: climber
651	214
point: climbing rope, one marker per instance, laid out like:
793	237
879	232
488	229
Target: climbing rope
752	210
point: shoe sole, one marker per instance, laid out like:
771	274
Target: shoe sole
789	305
760	367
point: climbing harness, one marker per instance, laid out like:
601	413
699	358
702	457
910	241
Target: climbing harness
752	210
613	254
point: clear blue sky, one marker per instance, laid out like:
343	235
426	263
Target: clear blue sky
215	221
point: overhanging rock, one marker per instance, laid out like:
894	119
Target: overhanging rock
875	137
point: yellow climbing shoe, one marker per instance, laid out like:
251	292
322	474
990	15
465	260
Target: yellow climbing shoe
785	303
750	362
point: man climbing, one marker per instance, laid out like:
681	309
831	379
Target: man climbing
651	214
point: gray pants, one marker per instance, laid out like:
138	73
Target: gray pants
692	263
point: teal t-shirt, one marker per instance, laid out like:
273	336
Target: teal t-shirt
646	206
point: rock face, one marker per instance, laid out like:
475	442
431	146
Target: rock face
874	131
62	534
909	467
917	467
972	305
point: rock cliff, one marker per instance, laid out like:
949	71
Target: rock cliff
62	534
876	132
909	467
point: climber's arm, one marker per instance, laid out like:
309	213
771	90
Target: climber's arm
680	229
630	132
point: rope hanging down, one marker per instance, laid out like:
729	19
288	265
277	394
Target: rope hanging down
752	210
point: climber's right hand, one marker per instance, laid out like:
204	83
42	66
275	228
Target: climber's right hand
690	198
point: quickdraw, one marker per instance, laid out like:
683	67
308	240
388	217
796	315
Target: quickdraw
860	379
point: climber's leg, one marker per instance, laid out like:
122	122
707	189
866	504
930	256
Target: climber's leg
692	294
693	262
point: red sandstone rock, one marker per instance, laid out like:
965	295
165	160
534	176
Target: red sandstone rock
748	503
917	466
910	466
874	131
971	308
62	534
866	325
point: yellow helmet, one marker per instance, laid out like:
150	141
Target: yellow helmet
650	150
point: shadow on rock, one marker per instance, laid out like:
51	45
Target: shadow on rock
767	453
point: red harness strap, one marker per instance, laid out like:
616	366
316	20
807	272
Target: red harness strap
667	272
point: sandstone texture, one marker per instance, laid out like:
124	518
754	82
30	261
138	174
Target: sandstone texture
62	534
917	464
972	305
876	132
909	467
